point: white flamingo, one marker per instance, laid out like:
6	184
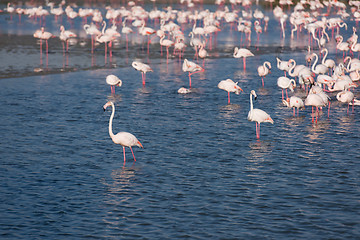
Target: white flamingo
257	115
113	81
125	139
230	86
294	102
264	70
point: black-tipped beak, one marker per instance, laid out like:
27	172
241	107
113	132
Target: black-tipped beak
104	109
255	98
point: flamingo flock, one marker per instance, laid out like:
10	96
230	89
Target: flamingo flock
199	29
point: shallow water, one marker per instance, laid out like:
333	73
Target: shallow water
202	173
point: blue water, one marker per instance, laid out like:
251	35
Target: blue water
202	173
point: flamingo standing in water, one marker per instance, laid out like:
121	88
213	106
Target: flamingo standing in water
166	43
264	70
113	81
92	30
257	115
125	139
314	100
65	35
230	86
346	97
42	35
244	53
143	68
191	67
285	83
294	102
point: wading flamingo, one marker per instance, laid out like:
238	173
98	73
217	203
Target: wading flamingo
191	67
230	86
113	81
244	53
257	115
143	68
285	83
294	102
65	35
264	70
125	139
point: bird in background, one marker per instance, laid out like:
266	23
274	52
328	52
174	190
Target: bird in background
125	139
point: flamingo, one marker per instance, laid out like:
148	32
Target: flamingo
166	43
285	83
191	67
314	100
126	30
92	30
103	38
327	62
264	70
342	46
257	115
42	35
244	53
284	65
143	68
319	69
346	97
65	35
125	139
113	81
230	86
294	102
203	53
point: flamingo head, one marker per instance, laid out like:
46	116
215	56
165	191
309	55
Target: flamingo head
109	103
238	89
286	102
253	93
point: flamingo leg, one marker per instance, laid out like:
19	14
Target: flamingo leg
282	94
124	155
244	63
189	79
262	80
133	154
329	110
143	78
294	111
228	97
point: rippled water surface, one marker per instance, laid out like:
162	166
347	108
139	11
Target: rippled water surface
201	174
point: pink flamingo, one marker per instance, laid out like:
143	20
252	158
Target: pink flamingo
143	68
191	67
230	86
113	81
244	53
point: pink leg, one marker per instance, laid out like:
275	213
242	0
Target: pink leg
124	155
262	80
244	62
228	97
133	154
294	111
190	79
282	94
329	110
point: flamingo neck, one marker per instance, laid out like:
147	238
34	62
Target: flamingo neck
326	53
251	103
315	62
111	119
